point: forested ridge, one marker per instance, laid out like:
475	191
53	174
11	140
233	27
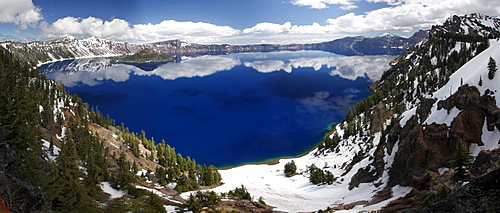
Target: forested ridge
60	156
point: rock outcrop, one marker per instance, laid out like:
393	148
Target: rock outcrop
428	147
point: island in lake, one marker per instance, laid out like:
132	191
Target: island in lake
145	56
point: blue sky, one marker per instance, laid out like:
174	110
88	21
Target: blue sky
226	21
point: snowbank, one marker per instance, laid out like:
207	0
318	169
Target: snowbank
114	193
296	194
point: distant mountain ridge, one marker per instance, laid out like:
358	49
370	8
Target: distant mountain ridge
383	44
472	24
69	47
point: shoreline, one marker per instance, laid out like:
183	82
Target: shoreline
273	161
270	161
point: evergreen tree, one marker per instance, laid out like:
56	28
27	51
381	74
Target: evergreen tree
318	176
186	183
19	97
240	193
124	176
208	175
290	169
64	192
462	160
492	68
161	174
194	204
208	198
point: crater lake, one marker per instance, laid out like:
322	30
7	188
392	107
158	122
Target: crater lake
226	110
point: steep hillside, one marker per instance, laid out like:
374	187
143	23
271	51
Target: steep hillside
436	97
408	144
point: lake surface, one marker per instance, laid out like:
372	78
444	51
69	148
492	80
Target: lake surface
227	110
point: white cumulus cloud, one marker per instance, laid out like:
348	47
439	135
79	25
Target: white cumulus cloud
20	12
314	28
408	14
269	28
322	4
121	30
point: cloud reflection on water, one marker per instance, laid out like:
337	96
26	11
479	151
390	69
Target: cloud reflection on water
348	67
116	73
92	72
193	67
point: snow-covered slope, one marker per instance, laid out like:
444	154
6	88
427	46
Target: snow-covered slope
472	72
296	194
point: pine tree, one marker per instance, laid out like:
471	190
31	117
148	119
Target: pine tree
194	204
241	193
492	68
290	169
124	176
462	160
18	97
316	175
65	193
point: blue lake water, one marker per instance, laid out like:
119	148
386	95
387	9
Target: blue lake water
227	110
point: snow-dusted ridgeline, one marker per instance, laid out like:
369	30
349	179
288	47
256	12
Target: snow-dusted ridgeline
69	47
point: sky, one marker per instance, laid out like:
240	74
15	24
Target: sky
227	21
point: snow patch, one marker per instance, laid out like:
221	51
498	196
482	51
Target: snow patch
113	193
63	133
406	116
443	170
170	209
442	116
162	195
51	154
490	140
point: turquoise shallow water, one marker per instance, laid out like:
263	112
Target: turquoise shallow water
231	109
